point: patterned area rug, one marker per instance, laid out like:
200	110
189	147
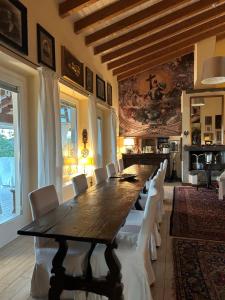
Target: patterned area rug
197	214
199	269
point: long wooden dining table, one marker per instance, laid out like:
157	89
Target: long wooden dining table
95	216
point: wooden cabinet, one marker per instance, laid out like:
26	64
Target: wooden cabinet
146	159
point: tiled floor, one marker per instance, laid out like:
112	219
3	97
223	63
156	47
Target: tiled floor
17	260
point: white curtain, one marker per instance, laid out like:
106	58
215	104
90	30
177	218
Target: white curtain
93	132
113	135
49	132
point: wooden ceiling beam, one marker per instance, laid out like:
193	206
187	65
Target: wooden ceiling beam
132	20
164	33
68	6
109	11
174	17
155	63
167	48
189	37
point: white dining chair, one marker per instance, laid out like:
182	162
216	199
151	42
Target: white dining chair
221	184
135	218
120	165
43	201
100	175
111	169
133	254
80	184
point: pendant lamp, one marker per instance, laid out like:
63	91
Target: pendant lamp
213	71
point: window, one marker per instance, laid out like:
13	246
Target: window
10	198
68	115
100	145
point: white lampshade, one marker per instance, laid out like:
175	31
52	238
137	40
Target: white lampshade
128	142
213	71
198	101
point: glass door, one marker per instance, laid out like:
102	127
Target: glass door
10	198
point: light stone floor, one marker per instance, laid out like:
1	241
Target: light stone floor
17	261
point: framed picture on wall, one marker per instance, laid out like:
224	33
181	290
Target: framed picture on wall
45	47
100	88
13	25
72	68
109	93
88	80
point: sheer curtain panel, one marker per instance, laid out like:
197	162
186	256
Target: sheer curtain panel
93	132
113	134
49	132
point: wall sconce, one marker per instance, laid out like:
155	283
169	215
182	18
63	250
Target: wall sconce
213	71
186	133
84	151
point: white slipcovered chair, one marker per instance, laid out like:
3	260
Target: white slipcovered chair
135	217
80	184
120	165
221	183
43	201
100	175
133	254
111	169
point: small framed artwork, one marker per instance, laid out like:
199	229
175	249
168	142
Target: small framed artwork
100	88
72	68
88	80
13	25
208	123
46	47
109	93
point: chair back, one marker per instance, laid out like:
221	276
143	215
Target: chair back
100	175
146	230
121	165
42	201
80	184
165	165
111	169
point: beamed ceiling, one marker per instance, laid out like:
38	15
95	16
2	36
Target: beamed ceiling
132	36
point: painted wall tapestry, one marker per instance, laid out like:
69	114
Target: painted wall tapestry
149	103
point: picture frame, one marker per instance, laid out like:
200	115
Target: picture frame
72	68
100	88
109	94
89	80
13	25
45	48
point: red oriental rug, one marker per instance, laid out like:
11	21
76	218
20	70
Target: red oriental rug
197	214
199	269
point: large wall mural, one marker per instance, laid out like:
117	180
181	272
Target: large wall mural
149	103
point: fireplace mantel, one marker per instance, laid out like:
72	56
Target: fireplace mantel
210	148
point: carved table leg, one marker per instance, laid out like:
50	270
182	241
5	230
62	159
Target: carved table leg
57	280
114	275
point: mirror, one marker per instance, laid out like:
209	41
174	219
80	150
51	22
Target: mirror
207	120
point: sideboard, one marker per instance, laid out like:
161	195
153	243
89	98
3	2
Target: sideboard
146	159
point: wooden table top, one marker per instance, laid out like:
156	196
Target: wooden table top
97	214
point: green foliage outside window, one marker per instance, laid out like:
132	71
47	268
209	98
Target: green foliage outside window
6	147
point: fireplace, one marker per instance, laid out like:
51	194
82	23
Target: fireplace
199	156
